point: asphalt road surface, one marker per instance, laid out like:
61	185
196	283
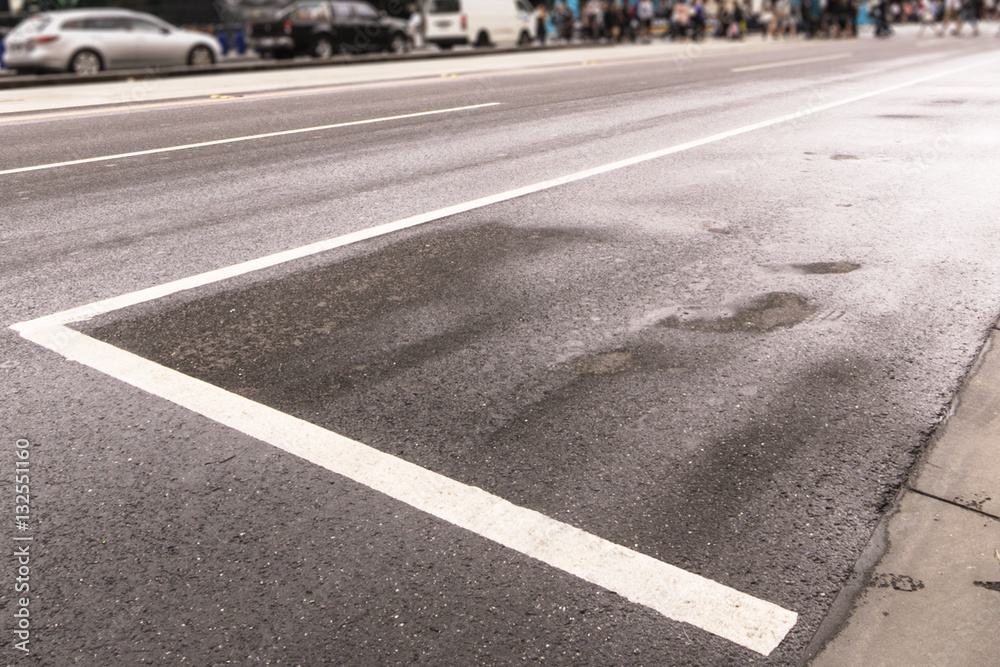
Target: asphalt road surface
644	358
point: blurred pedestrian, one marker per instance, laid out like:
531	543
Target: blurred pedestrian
644	12
952	13
594	17
786	25
927	12
839	24
698	20
766	19
563	18
731	20
416	21
880	13
612	24
680	19
970	14
541	23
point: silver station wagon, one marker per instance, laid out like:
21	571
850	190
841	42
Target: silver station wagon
88	41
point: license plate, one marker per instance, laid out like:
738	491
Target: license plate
442	24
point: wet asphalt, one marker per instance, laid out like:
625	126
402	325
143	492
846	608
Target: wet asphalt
727	358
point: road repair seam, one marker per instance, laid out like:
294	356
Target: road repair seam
250	137
970	508
755	624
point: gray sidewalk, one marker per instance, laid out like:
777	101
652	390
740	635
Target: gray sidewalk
933	598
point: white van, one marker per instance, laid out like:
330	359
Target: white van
478	22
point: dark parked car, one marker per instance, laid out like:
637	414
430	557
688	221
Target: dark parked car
321	29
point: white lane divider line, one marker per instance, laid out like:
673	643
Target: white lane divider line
755	624
251	137
790	63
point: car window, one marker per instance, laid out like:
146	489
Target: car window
341	10
310	11
31	26
364	11
139	25
523	6
106	23
445	7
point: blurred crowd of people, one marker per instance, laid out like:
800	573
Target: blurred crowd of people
936	15
641	20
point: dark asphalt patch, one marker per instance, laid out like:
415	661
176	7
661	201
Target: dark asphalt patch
527	361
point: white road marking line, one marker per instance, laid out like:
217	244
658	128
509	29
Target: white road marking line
88	311
789	63
755	624
252	137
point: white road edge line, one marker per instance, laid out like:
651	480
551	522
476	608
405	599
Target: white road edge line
755	624
789	63
251	137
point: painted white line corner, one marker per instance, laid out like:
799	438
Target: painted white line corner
755	624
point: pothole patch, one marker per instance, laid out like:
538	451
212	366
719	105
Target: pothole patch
823	268
714	227
605	363
774	310
814	268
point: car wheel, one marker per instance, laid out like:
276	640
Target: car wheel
524	39
482	39
85	62
399	43
445	47
201	56
323	47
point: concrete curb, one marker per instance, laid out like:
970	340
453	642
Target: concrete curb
933	596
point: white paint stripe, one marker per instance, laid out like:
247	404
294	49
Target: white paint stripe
233	140
756	624
789	63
